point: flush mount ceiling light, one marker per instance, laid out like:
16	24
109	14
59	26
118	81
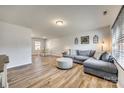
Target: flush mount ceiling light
59	22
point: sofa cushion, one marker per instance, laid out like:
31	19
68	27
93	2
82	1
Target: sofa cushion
78	61
81	58
73	52
105	75
70	56
100	65
83	52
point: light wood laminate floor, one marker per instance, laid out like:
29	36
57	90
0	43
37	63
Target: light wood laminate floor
44	73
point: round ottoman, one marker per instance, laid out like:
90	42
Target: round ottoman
64	63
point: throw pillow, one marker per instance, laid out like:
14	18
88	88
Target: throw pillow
92	52
111	59
105	57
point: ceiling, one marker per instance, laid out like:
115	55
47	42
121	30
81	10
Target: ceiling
41	18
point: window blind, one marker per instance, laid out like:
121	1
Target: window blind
118	38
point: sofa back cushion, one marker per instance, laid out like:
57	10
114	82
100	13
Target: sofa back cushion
83	52
73	52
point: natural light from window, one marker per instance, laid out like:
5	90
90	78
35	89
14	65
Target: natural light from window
37	45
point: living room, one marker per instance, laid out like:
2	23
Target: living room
45	49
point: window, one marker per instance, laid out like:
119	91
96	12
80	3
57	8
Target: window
118	38
37	45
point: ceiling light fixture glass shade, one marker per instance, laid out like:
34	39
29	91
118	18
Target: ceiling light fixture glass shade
59	22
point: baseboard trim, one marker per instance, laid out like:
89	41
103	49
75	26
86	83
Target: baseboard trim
15	67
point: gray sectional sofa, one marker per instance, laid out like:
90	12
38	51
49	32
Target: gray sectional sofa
103	67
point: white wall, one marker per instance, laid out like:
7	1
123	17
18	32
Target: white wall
15	41
57	45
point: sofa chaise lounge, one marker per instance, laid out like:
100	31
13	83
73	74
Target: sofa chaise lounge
104	67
